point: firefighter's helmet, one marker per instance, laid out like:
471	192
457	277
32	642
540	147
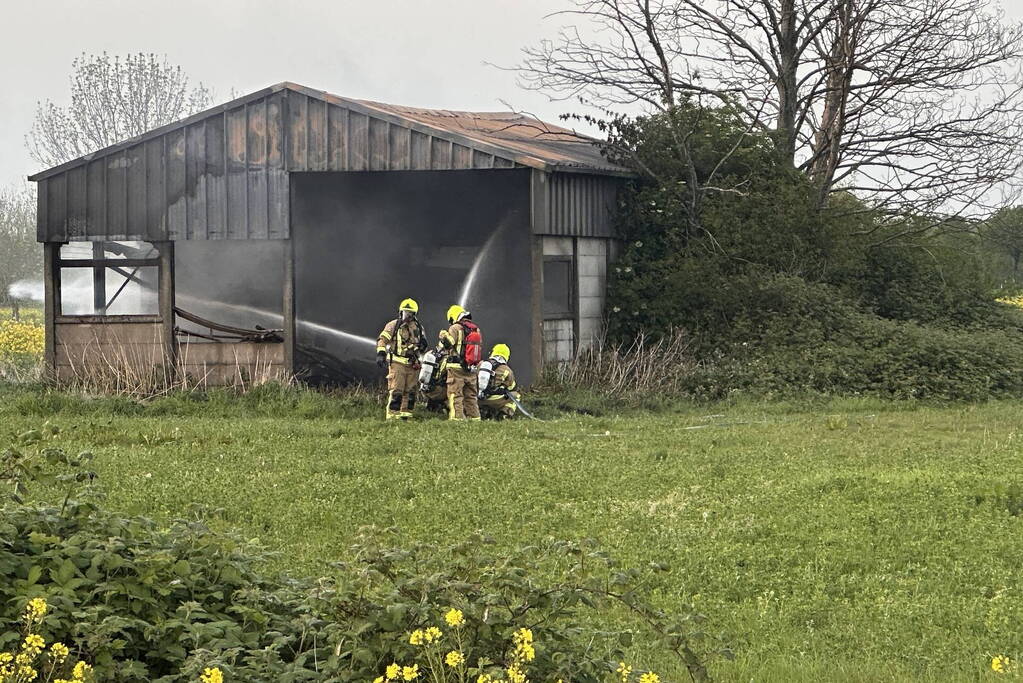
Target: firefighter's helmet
456	313
501	351
409	305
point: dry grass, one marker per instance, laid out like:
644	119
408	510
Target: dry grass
129	370
641	367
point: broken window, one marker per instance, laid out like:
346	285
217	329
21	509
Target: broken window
109	278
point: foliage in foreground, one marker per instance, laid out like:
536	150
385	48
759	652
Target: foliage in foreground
142	601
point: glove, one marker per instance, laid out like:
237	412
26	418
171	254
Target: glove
381	359
423	345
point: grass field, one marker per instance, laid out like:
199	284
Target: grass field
853	540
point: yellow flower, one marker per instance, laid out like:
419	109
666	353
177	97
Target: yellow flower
212	675
454	658
523	635
515	674
1001	664
80	671
392	672
378	679
23	658
27	673
484	678
649	677
33	643
432	634
36	607
59	651
454	617
410	673
6	657
624	670
416	637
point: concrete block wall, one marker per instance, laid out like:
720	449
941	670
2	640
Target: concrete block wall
558	341
591	269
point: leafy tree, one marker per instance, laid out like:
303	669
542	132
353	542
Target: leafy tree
20	255
112	99
1004	233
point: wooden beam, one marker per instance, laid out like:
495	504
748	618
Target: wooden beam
166	303
288	305
51	305
108	262
99	280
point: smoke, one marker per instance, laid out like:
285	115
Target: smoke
27	290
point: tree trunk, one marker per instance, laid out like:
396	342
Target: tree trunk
788	84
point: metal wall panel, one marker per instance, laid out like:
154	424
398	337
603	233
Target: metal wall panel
582	205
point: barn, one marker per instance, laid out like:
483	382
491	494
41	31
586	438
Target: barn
275	235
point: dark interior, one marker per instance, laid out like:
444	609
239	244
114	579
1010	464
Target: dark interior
365	241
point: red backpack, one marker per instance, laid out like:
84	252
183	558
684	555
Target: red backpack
472	345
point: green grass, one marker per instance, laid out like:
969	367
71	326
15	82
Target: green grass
853	541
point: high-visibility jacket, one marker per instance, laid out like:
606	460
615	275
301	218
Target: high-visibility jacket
453	339
400	340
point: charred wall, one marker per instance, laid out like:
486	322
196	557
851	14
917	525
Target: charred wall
365	241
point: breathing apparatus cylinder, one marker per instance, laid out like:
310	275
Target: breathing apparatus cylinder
429	362
483	379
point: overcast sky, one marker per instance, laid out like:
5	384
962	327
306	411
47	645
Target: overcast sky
399	51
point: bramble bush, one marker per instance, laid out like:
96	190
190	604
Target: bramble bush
143	601
779	297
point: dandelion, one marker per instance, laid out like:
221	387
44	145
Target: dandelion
212	675
1001	664
410	673
378	679
454	659
639	243
432	634
624	670
59	651
649	677
392	671
416	637
454	617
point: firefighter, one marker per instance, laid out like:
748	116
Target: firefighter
462	343
494	401
398	348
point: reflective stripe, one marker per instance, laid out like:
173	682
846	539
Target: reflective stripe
385	334
400	359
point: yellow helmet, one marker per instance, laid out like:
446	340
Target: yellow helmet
409	305
501	350
455	313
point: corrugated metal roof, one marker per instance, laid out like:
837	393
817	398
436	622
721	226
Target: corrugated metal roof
514	137
556	146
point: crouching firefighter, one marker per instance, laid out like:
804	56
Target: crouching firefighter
463	344
497	385
398	349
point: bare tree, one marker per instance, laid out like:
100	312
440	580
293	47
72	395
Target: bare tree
916	105
112	99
